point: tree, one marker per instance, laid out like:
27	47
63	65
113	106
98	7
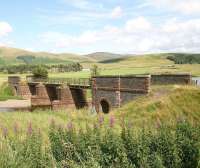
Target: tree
95	71
26	59
40	72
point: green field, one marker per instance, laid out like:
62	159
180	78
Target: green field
169	116
166	104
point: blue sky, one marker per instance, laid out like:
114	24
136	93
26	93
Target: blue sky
84	26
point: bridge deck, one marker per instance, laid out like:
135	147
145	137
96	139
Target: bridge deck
71	82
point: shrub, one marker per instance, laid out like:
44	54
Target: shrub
188	141
40	72
95	71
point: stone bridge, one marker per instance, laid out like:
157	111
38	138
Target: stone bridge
107	91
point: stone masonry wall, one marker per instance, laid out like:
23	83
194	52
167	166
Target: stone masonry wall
165	79
117	90
24	91
41	99
65	99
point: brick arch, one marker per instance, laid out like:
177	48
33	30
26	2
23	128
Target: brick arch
105	105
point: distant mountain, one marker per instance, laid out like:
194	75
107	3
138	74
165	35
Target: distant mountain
8	53
103	56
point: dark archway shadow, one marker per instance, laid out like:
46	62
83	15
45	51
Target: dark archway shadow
105	106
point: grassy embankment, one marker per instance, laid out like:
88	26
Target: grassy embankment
73	138
165	105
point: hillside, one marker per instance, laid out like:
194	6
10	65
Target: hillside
9	55
165	104
102	56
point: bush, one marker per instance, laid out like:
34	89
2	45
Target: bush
99	147
95	71
40	72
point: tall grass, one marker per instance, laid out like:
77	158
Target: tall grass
101	146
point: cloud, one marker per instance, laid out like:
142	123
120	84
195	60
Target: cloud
182	6
137	35
116	12
5	28
138	24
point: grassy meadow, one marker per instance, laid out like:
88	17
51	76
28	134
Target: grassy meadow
160	130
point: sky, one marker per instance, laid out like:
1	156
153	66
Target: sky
85	26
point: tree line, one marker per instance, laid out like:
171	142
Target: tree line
185	58
27	68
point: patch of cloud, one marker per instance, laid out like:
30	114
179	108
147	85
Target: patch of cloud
183	6
5	28
116	12
137	24
137	35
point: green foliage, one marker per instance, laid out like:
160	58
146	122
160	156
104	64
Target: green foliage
187	139
106	148
185	58
6	92
27	68
95	71
28	59
40	72
102	146
25	153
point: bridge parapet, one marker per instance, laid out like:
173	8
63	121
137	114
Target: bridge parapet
73	82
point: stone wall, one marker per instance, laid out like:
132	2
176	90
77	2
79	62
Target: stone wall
41	99
117	90
19	88
79	97
65	99
23	90
166	79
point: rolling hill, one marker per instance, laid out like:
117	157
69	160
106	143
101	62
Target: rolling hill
102	56
10	55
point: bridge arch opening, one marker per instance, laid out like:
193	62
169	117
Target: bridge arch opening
105	106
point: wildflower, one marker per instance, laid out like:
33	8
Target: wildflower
101	120
30	129
158	123
69	126
5	132
39	131
130	124
95	125
16	128
112	121
60	126
52	123
122	121
180	119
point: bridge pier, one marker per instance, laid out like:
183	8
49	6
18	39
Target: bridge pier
41	99
19	88
80	97
64	99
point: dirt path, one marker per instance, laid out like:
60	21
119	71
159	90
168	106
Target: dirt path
15	104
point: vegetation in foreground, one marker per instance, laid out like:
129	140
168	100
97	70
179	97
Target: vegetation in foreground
159	130
101	146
